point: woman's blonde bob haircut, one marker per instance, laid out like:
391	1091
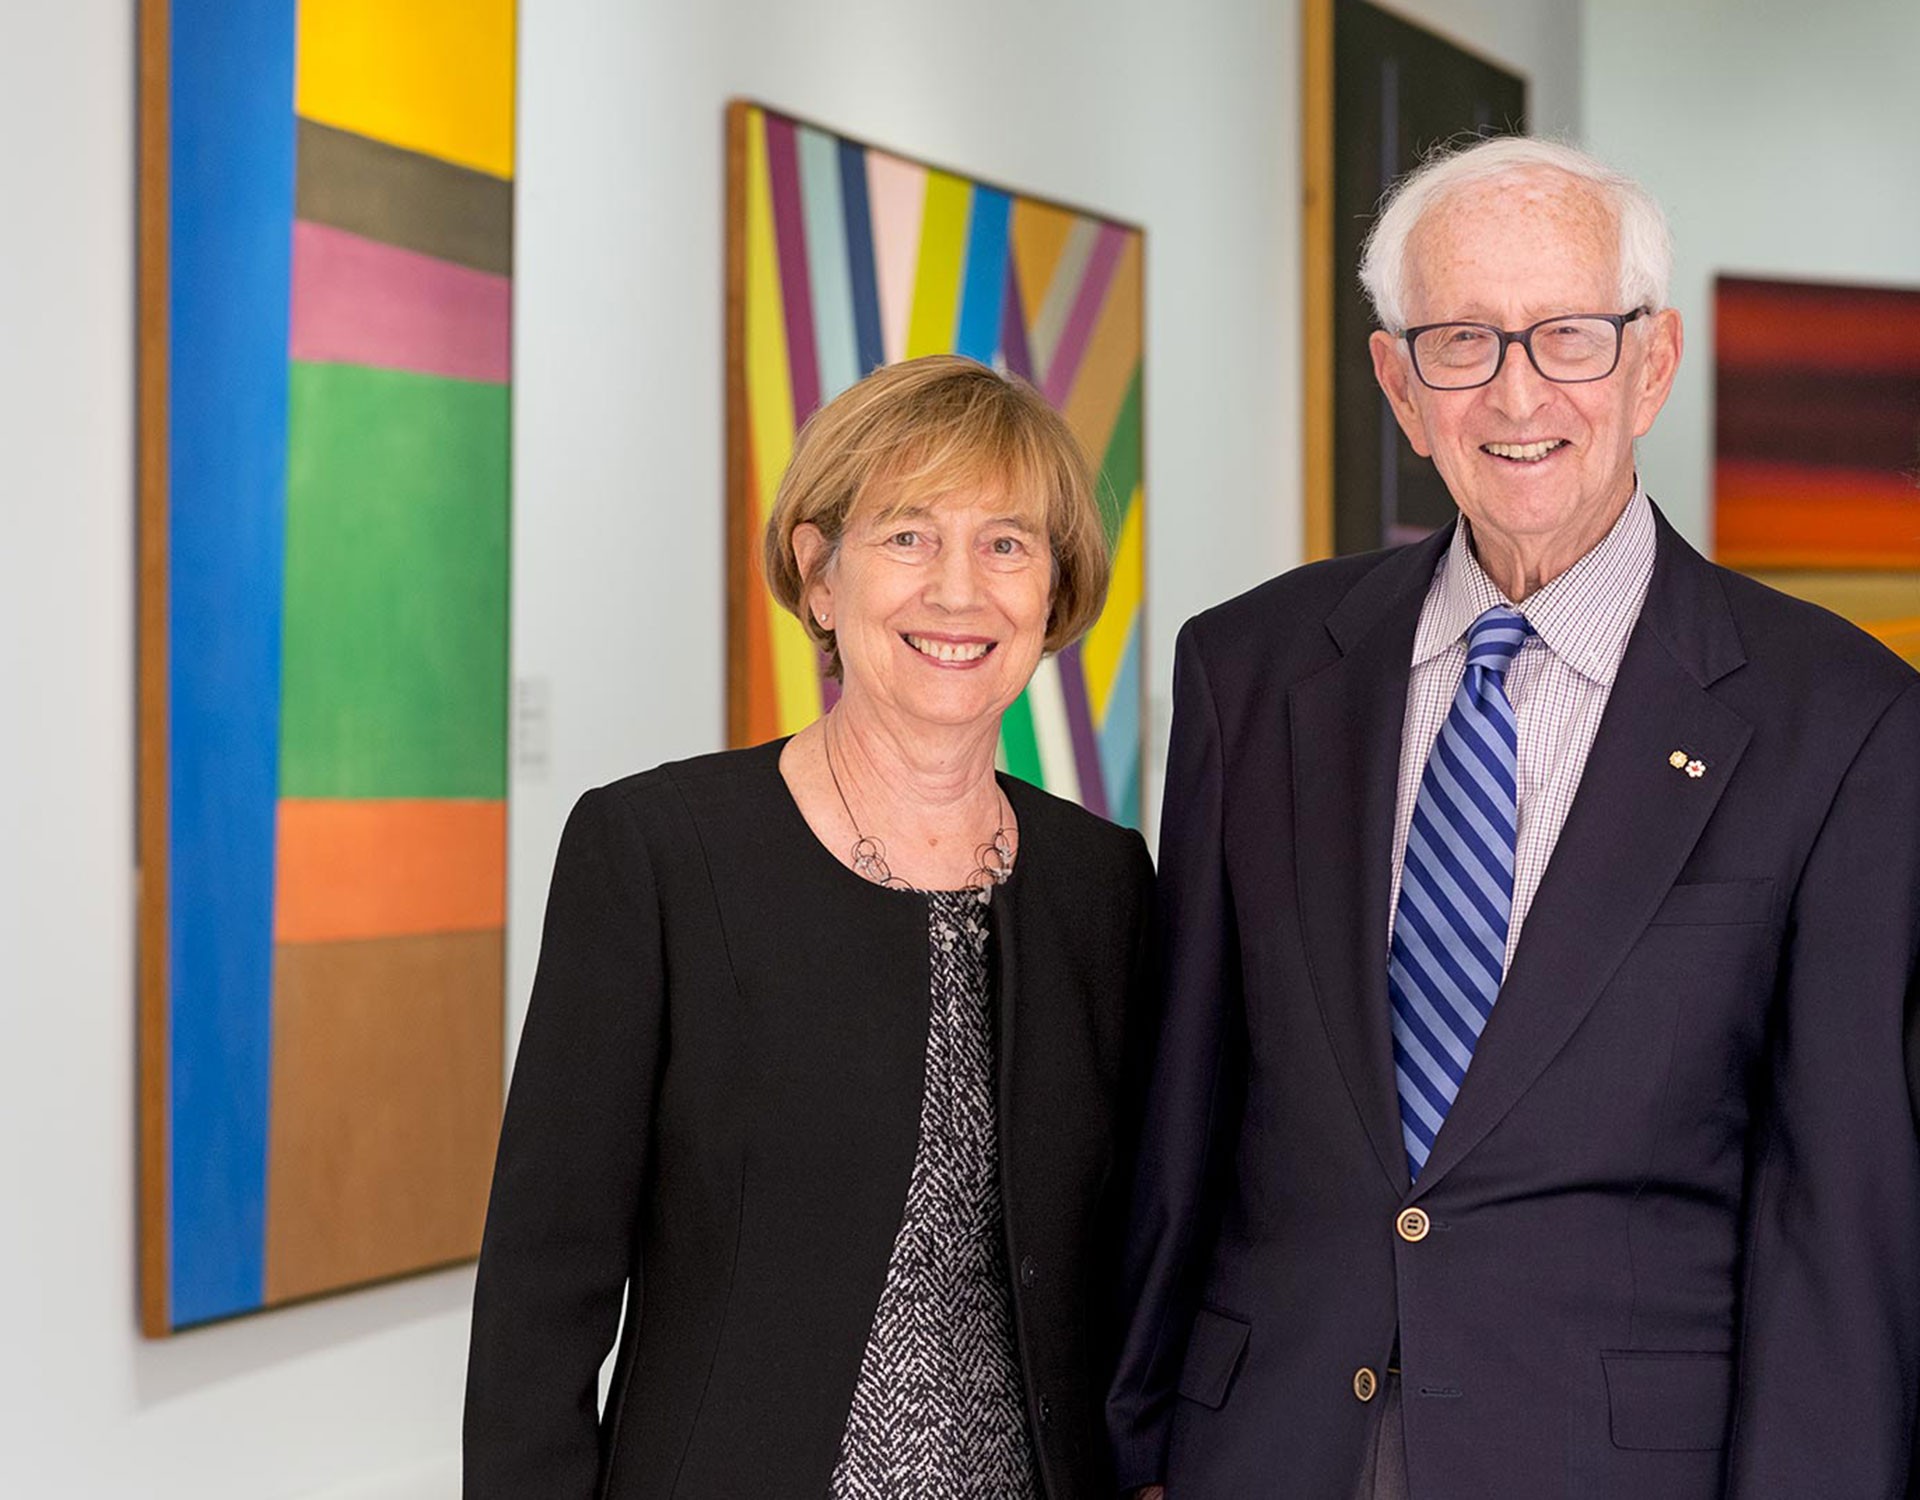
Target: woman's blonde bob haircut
913	433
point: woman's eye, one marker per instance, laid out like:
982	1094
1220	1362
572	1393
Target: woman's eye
1006	546
905	538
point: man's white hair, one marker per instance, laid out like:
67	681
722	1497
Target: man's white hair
1646	244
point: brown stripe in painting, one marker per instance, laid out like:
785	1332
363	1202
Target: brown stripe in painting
403	198
1857	421
385	1107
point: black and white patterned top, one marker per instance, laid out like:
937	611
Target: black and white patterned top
939	1410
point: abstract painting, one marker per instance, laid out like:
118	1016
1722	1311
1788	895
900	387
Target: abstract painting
1380	94
326	254
1816	474
843	257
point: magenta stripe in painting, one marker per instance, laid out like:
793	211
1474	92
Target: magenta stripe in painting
1013	329
796	289
1078	333
359	302
1086	748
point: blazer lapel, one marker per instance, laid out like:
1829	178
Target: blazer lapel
1632	825
1346	727
1004	922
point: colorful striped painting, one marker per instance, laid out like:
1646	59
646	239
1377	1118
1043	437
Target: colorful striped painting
844	257
327	208
1817	446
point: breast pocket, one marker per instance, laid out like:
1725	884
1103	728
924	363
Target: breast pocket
1716	903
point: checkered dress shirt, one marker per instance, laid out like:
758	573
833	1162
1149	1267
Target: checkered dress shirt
1558	684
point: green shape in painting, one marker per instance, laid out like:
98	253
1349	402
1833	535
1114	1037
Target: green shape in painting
394	652
1120	468
1019	743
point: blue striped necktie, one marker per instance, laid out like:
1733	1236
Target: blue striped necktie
1456	888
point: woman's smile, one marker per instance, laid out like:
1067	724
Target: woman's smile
950	651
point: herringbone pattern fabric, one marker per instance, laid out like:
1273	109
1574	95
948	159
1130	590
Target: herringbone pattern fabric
938	1411
1456	888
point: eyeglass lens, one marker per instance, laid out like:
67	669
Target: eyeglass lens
1566	349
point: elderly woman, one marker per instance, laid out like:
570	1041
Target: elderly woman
823	1063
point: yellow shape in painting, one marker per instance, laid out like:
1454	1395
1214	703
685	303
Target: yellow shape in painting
943	248
1106	644
770	426
433	76
1902	636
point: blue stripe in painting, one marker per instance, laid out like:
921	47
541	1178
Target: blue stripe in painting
860	272
984	281
232	224
1120	737
826	230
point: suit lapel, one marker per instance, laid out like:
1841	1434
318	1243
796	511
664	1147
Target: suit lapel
1346	727
1632	825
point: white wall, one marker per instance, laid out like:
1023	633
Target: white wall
1181	116
1784	140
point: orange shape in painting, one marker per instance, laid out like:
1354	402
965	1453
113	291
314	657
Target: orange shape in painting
1770	515
389	868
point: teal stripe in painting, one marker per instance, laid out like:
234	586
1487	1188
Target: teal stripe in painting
1120	737
231	233
826	227
984	279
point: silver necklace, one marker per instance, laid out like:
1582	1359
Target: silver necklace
993	860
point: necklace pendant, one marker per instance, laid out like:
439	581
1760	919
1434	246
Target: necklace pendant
995	859
869	859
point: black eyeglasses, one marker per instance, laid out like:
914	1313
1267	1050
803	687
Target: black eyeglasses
1569	351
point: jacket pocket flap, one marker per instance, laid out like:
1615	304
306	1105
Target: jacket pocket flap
1213	1354
1718	903
1668	1401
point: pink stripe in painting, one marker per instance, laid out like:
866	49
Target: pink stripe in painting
359	302
796	289
1078	333
897	193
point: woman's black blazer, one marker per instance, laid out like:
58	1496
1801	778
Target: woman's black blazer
714	1111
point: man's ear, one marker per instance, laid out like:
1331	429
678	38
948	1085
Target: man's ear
1394	371
1658	362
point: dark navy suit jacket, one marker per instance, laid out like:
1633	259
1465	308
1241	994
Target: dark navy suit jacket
1675	1212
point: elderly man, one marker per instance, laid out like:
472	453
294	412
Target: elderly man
1532	1112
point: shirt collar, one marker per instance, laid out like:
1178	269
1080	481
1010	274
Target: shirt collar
1584	616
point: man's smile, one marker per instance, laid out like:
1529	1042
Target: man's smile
1524	453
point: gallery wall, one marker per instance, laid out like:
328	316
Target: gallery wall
1785	142
1180	117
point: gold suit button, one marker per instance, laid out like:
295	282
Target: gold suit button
1365	1383
1413	1225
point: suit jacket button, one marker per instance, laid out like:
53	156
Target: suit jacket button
1413	1225
1046	1411
1029	1273
1365	1383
